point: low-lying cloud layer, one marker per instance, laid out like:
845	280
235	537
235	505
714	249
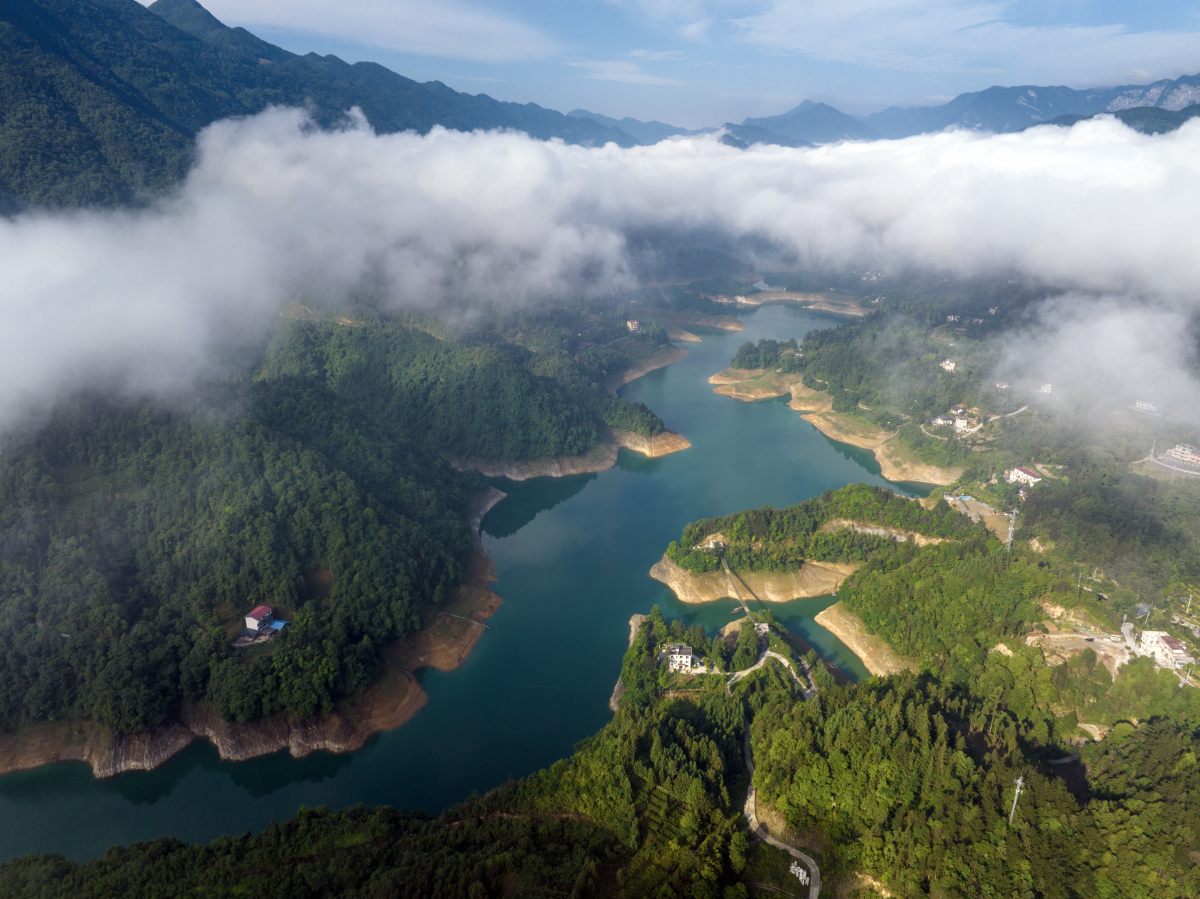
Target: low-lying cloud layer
275	209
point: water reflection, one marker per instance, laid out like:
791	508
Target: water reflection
527	499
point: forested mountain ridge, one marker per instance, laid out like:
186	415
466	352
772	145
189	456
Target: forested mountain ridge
100	100
136	534
770	539
907	780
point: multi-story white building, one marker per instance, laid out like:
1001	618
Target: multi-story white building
1186	453
1022	476
679	657
1045	388
1168	651
1143	406
948	364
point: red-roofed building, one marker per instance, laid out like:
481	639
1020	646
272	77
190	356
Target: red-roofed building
260	618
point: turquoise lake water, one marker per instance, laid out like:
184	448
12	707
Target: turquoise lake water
572	556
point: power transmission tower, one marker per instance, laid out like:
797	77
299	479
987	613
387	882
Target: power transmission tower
1020	782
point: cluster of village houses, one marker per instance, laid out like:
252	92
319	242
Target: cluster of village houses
957	417
1166	651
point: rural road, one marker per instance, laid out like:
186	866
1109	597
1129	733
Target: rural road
760	830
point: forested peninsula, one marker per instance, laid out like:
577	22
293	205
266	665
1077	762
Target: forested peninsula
315	481
900	787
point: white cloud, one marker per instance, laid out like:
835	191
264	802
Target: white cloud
657	55
620	70
275	209
447	28
967	36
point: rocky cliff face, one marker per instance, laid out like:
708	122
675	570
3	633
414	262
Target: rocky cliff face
659	445
86	741
813	579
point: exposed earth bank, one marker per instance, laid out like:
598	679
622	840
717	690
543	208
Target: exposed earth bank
668	355
876	656
392	699
896	461
812	579
601	457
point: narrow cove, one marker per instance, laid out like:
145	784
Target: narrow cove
572	557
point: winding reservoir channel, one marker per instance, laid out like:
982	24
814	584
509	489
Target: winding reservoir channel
572	556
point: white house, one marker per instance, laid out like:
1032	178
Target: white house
1002	385
948	364
679	657
1168	651
1022	476
1045	388
961	423
942	421
1143	406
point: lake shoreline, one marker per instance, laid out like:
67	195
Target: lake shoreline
872	650
393	698
811	579
896	463
601	457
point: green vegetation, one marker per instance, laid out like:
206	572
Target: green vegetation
770	539
903	783
467	853
102	99
138	535
650	806
769	353
1143	532
908	780
501	402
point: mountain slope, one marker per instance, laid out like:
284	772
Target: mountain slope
1146	119
814	123
645	133
101	99
1014	108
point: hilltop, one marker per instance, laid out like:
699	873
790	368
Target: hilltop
101	100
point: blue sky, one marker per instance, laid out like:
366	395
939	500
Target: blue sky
704	62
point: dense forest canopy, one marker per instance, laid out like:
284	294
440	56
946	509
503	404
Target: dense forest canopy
768	353
101	99
137	534
912	783
769	539
908	780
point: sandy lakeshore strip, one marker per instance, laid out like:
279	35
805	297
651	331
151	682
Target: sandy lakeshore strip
601	457
668	355
896	461
818	302
812	579
876	656
392	699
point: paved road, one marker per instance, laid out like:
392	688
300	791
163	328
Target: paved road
760	830
809	691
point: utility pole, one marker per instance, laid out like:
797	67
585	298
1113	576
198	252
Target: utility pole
1020	782
1189	608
